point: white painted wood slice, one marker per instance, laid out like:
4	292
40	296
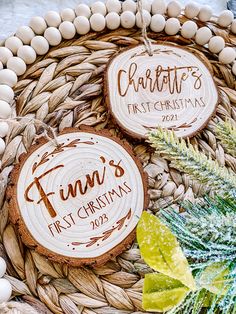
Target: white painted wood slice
173	89
78	202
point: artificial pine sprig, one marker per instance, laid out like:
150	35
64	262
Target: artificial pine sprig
208	238
192	162
227	135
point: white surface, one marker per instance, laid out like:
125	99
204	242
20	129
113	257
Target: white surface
15	13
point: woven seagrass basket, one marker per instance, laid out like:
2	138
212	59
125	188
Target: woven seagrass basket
65	89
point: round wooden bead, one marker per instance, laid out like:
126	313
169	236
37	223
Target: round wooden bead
216	44
5	54
112	20
227	55
113	6
83	10
127	19
82	25
129	5
189	29
53	19
6	93
27	53
53	36
225	18
25	34
38	25
40	45
233	26
173	9
147	5
13	43
67	30
2	148
5	286
1	65
203	36
5	110
8	77
146	17
234	68
4	128
99	7
191	10
17	65
97	22
172	26
158	23
205	13
3	266
68	15
159	7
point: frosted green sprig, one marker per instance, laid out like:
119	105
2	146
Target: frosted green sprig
193	162
227	135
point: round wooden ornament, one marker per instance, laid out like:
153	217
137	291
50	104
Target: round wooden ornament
78	202
173	89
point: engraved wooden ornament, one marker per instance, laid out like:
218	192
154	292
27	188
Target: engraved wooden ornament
173	89
78	202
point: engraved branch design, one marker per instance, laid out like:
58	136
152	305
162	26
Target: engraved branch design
156	52
46	156
106	234
173	127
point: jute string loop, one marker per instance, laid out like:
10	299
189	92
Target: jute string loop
49	134
146	40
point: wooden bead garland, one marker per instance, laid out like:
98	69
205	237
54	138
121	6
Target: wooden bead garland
189	29
38	25
40	45
82	25
27	53
112	20
97	22
225	18
146	17
17	65
203	35
99	7
6	93
191	10
158	7
83	10
227	55
68	15
5	110
205	13
173	9
8	77
129	5
113	6
67	30
5	54
127	19
53	36
172	26
158	23
4	128
52	19
13	43
25	34
216	44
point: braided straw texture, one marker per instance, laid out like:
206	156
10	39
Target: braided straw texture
65	89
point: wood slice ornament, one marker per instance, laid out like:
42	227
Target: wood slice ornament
173	89
78	202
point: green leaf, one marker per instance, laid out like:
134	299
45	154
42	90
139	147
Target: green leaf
214	278
161	293
161	251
